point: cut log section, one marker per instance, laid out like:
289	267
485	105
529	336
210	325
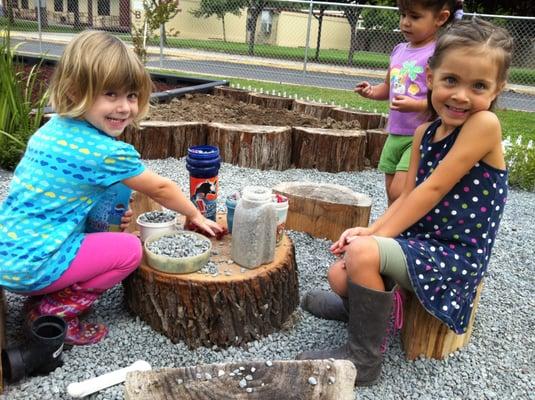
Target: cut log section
324	210
252	146
375	140
269	101
162	139
280	380
318	110
232	93
424	335
366	120
232	307
331	150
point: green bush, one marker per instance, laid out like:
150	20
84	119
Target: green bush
520	159
19	117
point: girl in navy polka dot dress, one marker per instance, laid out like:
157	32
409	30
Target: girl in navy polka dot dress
436	239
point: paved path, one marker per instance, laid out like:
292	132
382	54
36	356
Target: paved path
256	68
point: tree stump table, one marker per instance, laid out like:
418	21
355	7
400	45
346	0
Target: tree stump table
232	307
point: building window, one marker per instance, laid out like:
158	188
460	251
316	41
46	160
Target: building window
103	7
72	6
58	5
24	4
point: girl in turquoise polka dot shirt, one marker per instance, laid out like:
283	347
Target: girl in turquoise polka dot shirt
99	88
437	237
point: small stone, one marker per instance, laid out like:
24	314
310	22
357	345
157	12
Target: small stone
332	380
249	390
269	363
243	383
253	369
249	377
207	376
313	381
220	373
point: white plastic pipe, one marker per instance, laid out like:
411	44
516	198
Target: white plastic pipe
89	386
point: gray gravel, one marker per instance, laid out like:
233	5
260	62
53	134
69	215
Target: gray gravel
497	364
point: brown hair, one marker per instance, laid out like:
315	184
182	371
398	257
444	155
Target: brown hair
92	62
476	34
434	5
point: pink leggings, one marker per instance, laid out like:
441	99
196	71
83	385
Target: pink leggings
104	259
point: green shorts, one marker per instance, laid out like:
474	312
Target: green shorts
393	261
396	154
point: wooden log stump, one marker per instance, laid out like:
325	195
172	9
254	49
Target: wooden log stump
375	140
235	306
335	380
366	120
269	101
253	146
324	210
318	110
232	93
424	335
331	150
162	139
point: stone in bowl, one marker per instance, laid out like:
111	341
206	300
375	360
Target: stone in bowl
180	252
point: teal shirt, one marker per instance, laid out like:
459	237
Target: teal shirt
67	166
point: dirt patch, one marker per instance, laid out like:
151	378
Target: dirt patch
209	108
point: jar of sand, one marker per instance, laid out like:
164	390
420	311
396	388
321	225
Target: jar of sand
254	228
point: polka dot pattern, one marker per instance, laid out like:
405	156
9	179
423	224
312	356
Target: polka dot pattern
67	166
448	250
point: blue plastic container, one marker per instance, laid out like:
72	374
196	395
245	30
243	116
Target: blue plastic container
106	214
203	164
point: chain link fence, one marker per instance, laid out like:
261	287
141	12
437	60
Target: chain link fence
314	43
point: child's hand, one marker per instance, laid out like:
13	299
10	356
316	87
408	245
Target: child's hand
126	219
404	103
347	237
204	225
364	89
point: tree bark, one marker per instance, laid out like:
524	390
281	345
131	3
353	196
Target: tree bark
318	110
324	210
335	380
331	150
375	140
366	120
232	93
269	101
252	146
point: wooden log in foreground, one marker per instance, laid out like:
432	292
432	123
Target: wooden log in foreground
269	101
232	93
283	380
375	140
366	120
424	335
324	210
318	110
252	146
231	308
331	150
162	139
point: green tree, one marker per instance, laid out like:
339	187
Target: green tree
158	13
218	8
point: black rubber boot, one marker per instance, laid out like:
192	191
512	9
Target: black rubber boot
41	355
326	304
369	316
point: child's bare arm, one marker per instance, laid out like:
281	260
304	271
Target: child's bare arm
374	92
479	137
168	194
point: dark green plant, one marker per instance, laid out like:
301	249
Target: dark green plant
19	117
520	159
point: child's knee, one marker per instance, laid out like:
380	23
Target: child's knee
361	255
337	277
132	250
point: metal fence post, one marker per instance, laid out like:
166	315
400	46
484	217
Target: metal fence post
307	44
39	29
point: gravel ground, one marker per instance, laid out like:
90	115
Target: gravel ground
497	364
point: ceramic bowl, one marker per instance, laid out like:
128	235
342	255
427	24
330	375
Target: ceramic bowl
172	265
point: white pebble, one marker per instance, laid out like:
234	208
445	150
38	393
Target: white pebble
312	380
